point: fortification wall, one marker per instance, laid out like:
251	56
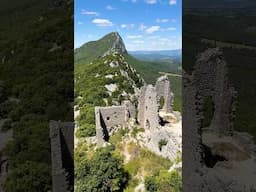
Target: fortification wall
62	145
148	111
163	90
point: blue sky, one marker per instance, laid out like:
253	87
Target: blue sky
143	24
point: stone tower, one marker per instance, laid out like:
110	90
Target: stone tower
164	91
148	108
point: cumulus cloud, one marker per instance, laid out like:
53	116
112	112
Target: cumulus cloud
171	29
172	2
102	22
138	42
152	29
128	26
84	12
151	1
123	26
109	7
134	36
142	27
162	20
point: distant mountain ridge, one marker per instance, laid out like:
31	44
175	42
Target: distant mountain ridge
175	52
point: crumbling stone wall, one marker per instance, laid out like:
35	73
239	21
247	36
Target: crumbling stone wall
109	119
210	79
5	137
164	91
148	108
62	155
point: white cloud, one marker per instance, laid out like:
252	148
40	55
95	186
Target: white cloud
128	26
109	7
84	12
123	26
162	20
171	29
80	23
102	22
142	27
152	29
172	2
138	42
151	1
134	36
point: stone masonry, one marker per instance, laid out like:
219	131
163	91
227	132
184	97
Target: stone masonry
148	108
62	155
108	119
5	137
209	79
163	90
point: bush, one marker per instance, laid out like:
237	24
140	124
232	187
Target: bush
6	125
103	172
162	143
164	181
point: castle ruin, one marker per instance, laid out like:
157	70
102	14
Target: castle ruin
109	119
148	108
62	155
209	81
163	90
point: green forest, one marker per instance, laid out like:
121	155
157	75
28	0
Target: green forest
36	83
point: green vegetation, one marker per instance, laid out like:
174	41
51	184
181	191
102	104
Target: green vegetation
145	162
102	172
87	53
136	130
37	86
93	77
162	143
164	181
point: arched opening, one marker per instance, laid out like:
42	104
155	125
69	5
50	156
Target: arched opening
147	124
161	102
208	111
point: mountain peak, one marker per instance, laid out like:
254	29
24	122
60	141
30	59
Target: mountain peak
110	43
118	44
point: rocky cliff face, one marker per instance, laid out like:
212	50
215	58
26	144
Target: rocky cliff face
118	44
110	43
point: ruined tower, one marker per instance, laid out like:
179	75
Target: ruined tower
148	108
164	91
211	82
62	155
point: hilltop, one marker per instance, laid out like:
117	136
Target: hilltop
148	70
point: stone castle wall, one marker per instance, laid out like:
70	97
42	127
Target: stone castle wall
62	147
108	119
163	90
148	108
